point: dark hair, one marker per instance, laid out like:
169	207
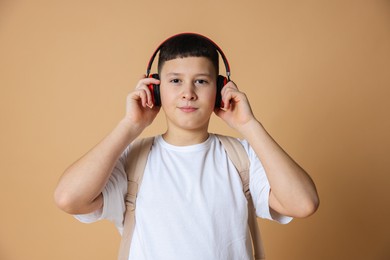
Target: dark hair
188	45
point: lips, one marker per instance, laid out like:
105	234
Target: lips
188	109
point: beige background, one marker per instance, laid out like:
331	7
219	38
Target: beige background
317	74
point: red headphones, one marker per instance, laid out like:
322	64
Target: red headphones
221	80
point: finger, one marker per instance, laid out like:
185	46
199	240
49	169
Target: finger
148	81
138	96
230	85
144	84
145	95
227	96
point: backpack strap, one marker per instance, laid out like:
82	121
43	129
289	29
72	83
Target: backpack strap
239	158
135	167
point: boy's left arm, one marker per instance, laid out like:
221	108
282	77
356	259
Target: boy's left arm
293	192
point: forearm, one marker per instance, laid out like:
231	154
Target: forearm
293	192
79	189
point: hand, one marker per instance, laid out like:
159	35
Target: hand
139	105
236	110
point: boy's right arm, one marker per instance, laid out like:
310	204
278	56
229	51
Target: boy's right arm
79	190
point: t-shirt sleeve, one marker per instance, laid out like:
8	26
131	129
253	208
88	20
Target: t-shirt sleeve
260	188
113	197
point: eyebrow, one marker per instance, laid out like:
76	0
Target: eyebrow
197	75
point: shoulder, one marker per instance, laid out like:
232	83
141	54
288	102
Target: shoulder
224	139
135	147
235	143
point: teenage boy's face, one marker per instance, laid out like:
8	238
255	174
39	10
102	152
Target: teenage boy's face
188	92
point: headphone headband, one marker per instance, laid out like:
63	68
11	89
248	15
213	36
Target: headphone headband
219	50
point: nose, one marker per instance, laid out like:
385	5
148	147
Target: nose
189	92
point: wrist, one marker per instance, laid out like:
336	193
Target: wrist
250	127
129	128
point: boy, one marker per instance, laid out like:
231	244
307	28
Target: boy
190	204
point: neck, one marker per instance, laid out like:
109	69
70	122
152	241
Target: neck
184	138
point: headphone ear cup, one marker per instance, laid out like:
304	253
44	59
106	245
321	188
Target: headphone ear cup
221	82
155	90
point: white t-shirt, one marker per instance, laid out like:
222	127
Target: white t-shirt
190	204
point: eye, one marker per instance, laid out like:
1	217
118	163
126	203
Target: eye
201	81
175	81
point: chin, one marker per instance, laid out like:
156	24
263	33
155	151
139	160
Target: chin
192	126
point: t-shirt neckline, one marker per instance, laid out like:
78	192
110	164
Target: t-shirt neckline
188	148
